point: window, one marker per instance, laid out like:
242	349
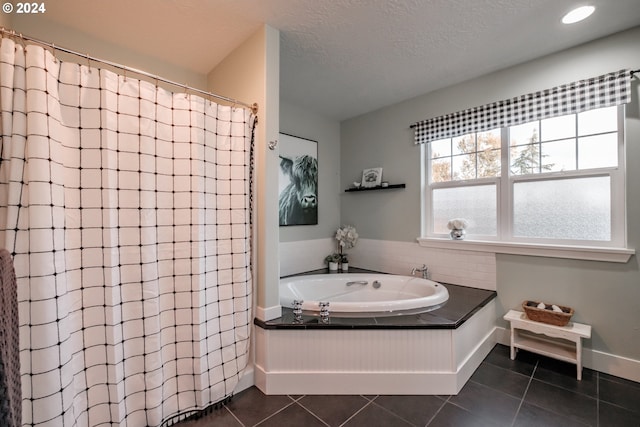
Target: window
557	180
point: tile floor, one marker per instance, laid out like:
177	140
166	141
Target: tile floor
530	391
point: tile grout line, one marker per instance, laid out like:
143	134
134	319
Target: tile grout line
526	390
276	412
234	416
444	402
392	413
358	411
309	411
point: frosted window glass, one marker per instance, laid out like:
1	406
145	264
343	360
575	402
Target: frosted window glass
599	151
477	204
598	121
577	209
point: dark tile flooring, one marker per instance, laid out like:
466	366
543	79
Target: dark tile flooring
530	391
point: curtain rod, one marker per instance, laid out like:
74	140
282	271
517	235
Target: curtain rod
11	33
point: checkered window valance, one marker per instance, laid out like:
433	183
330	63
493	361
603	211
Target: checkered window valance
597	92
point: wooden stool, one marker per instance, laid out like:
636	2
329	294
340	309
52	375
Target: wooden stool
560	342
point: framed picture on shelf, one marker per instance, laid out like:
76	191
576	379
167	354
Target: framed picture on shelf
371	177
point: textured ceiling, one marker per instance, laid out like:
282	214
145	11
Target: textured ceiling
342	58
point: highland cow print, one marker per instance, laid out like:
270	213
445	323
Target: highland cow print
298	203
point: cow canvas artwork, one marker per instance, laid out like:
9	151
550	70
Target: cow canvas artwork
298	181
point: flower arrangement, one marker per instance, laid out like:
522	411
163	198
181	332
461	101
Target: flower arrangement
457	227
457	224
347	237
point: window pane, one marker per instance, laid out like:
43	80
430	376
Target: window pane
464	166
598	151
598	121
464	144
489	140
489	163
577	208
558	128
477	204
525	159
440	148
441	170
559	155
526	133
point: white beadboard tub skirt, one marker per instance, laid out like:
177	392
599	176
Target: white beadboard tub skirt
373	361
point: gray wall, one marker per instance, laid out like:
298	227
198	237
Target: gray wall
309	125
605	295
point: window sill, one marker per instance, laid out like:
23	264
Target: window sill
590	253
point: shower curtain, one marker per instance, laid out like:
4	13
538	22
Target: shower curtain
127	211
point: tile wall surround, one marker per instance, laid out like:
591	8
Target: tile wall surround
466	268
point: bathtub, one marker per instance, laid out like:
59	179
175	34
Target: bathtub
359	293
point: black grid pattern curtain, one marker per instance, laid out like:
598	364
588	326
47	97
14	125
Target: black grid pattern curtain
597	92
127	210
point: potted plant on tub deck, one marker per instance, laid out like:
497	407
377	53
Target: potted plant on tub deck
333	260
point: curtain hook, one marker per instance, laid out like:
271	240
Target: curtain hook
88	61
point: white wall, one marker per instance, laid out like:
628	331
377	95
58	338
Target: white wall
605	295
52	32
251	73
6	21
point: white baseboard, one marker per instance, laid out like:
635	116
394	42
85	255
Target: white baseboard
246	379
597	360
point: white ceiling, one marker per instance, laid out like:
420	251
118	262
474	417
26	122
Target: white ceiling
342	58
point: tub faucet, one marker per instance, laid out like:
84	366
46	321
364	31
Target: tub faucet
424	270
324	312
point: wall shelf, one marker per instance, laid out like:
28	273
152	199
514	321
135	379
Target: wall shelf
391	186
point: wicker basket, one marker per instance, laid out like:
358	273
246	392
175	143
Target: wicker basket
545	315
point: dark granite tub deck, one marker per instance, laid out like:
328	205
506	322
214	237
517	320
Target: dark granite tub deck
462	304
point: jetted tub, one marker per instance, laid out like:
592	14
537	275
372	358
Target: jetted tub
363	293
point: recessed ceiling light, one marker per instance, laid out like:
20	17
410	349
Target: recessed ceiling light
578	14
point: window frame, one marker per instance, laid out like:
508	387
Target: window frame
504	198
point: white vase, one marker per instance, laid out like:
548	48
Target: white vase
457	233
345	266
333	266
